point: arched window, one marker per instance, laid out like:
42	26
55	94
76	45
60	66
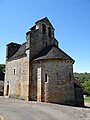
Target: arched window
45	77
43	28
49	32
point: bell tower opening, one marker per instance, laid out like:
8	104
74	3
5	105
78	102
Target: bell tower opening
43	28
49	32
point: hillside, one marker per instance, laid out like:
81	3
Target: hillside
84	79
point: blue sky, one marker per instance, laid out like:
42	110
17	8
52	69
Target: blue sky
70	18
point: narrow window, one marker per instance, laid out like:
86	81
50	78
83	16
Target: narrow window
43	28
7	90
46	44
53	43
49	31
57	74
14	71
45	77
70	76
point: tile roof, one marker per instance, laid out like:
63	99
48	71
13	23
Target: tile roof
20	53
52	52
77	82
49	52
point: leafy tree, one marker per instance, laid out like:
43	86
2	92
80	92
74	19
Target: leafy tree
2	70
86	85
84	79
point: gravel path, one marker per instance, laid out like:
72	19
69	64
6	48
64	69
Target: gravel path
13	109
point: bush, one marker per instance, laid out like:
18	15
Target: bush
87	99
86	85
2	70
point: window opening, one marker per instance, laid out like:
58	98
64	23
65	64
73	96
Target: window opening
46	44
49	31
70	76
14	71
53	43
45	77
43	28
57	74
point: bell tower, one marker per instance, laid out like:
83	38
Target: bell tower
40	36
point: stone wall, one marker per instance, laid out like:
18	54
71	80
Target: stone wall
33	87
59	86
79	99
37	41
17	78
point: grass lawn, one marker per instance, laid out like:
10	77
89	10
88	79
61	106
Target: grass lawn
87	99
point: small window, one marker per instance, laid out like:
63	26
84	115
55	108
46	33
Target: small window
43	28
49	31
53	43
45	77
70	76
46	44
14	71
57	74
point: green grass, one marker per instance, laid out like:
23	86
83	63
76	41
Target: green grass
87	99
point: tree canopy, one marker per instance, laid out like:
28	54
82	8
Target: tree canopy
84	79
2	71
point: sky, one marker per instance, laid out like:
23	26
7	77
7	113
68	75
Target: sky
70	18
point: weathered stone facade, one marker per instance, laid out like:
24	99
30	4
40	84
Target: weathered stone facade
58	84
17	76
38	69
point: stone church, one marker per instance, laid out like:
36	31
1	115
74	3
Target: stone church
38	70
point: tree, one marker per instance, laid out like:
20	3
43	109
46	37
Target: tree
2	71
84	79
86	85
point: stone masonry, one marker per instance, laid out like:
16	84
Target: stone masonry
39	70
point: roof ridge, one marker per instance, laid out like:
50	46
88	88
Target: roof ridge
20	52
54	54
46	18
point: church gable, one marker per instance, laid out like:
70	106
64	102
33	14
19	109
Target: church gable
45	21
44	26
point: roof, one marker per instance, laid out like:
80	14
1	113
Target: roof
49	52
45	20
77	83
20	53
33	28
52	52
12	43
